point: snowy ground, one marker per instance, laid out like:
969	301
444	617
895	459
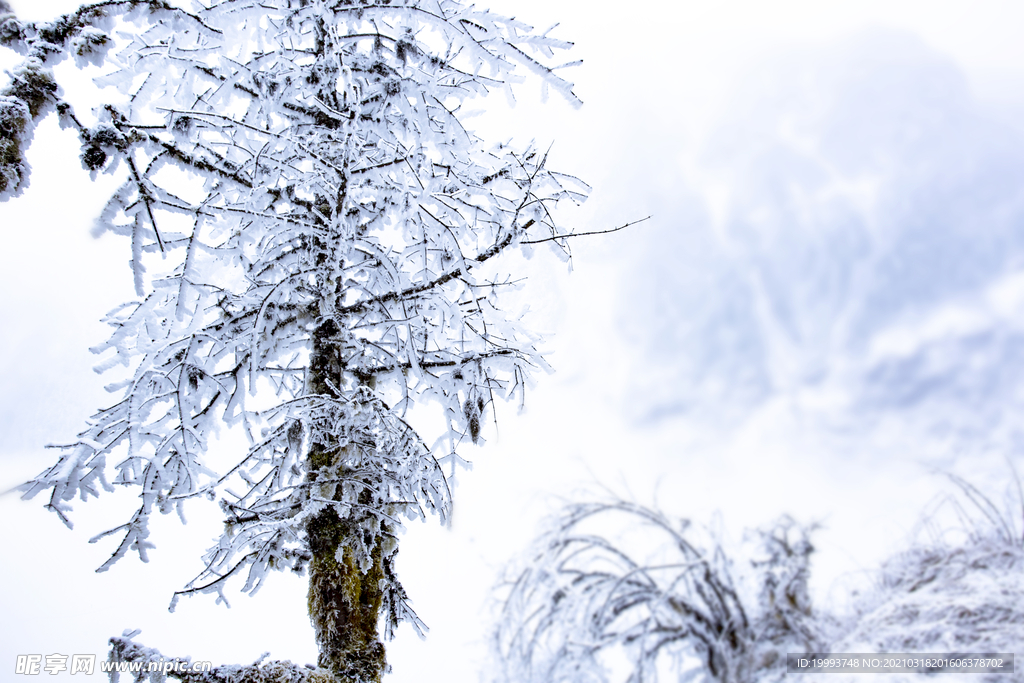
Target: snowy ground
827	305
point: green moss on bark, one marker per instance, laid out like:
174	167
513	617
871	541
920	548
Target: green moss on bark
344	602
345	595
34	85
14	122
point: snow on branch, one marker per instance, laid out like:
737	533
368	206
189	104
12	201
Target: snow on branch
143	663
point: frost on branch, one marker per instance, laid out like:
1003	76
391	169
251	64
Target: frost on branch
24	100
126	650
315	243
619	592
15	133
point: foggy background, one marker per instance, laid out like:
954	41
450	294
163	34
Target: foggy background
826	306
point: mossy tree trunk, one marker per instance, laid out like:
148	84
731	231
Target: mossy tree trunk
344	601
345	596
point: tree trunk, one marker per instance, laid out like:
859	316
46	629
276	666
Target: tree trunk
344	600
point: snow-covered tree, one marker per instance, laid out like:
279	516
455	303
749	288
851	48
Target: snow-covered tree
314	239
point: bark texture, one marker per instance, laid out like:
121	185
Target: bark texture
345	596
345	602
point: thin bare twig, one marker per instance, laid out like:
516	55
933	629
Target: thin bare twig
584	234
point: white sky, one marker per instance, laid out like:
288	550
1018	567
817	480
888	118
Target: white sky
685	117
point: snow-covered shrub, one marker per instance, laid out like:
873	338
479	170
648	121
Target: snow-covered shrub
617	591
961	591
